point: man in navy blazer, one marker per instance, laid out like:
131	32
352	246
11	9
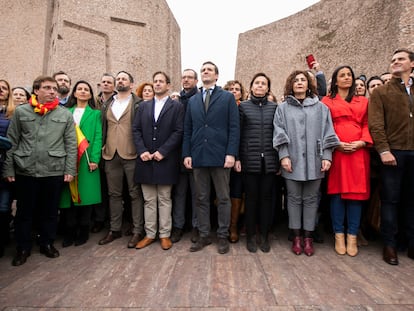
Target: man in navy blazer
210	145
158	133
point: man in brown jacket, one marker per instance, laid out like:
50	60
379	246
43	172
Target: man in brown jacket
391	122
120	155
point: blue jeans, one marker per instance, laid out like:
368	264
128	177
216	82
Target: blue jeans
352	208
5	196
397	184
5	200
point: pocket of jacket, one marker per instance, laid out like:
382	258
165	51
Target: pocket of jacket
27	124
59	125
22	158
57	160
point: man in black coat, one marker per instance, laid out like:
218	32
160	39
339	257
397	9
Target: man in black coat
158	132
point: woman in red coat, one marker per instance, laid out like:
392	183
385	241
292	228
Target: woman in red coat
348	179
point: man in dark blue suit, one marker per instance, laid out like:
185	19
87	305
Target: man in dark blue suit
210	145
158	133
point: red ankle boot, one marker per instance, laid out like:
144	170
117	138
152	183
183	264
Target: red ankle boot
297	245
308	247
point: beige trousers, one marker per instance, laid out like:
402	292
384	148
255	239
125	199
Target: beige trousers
157	206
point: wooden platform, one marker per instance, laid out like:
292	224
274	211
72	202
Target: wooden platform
113	277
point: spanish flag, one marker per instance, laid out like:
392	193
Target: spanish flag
83	144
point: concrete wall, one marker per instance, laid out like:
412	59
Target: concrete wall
88	38
362	34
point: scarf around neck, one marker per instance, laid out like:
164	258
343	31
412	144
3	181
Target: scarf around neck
42	109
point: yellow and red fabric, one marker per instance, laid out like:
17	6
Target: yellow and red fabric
83	144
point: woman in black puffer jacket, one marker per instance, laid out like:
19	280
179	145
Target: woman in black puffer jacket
258	161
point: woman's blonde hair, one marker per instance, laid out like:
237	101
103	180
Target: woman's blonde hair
9	103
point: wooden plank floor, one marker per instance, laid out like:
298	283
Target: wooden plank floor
112	277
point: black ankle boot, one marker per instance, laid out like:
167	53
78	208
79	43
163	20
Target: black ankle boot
69	237
251	244
264	243
83	236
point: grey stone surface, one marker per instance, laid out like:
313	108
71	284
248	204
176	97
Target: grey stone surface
362	34
114	277
87	38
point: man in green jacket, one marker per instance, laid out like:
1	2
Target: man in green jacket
42	157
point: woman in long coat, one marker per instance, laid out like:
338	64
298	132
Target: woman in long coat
348	179
78	213
305	138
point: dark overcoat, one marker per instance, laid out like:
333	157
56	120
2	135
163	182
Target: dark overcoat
210	136
164	135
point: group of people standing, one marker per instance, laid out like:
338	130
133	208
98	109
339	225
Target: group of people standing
78	152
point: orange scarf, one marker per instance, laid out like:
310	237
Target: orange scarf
42	109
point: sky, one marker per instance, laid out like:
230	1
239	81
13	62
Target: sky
213	36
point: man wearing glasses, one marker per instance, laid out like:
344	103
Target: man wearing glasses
42	157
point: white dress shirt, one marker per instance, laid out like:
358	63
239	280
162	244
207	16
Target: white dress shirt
159	104
118	106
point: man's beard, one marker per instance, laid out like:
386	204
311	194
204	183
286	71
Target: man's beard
122	88
63	90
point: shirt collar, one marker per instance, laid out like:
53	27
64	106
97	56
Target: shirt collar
162	100
122	100
210	88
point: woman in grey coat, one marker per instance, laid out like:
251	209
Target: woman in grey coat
304	138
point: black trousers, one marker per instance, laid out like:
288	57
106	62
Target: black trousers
78	216
259	208
40	196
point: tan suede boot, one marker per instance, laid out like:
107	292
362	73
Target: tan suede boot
351	245
340	243
235	211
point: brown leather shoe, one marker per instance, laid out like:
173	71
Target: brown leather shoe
144	242
390	255
112	235
165	243
136	237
